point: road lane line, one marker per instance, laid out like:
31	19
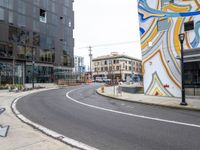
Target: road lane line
129	114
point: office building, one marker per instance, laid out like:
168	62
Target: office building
36	33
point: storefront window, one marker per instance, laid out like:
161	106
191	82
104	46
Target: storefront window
43	74
6	73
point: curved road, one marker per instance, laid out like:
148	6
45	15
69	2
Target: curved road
109	124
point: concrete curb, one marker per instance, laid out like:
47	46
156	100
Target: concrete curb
148	103
48	132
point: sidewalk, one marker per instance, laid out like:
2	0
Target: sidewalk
21	136
193	104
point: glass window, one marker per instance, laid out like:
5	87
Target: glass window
21	21
10	4
1	3
21	52
35	12
65	11
21	7
66	3
13	34
44	3
1	14
43	40
43	16
6	3
54	19
53	7
36	2
36	26
2	50
10	17
36	39
29	53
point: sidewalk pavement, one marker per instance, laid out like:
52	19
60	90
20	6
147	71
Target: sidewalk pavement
193	104
21	136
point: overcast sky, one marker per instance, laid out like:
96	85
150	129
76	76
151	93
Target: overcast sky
99	22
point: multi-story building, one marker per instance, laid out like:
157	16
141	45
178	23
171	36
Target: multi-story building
79	66
116	67
35	33
161	22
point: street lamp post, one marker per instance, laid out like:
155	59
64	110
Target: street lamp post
181	39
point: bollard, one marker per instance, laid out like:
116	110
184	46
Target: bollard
102	89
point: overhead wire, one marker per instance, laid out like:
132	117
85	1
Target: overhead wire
108	44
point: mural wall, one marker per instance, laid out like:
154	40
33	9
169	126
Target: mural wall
160	23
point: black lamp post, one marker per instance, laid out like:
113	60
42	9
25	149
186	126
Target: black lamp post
181	39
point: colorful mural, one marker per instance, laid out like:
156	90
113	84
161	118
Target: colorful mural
161	21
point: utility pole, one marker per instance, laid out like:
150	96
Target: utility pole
132	73
90	55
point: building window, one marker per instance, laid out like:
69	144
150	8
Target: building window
21	21
21	52
36	39
1	14
43	16
105	62
53	7
10	4
21	7
189	26
10	17
36	26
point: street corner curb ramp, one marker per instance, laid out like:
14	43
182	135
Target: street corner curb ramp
3	129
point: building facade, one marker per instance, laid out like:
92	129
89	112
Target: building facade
36	33
79	66
161	21
117	67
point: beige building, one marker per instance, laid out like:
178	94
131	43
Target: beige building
117	67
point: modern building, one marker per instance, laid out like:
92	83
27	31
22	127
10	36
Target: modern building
36	33
161	21
79	66
117	67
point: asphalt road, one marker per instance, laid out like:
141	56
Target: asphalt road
109	124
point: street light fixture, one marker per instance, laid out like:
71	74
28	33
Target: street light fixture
181	40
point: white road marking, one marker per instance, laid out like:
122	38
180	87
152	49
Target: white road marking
129	114
49	132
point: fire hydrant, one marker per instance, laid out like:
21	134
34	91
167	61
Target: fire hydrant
102	89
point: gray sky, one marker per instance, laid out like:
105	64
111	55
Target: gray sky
99	22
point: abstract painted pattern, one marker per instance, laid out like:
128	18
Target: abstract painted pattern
160	48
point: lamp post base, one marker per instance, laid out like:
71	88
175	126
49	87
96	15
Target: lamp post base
183	104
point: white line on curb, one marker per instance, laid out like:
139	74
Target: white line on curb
129	114
49	132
